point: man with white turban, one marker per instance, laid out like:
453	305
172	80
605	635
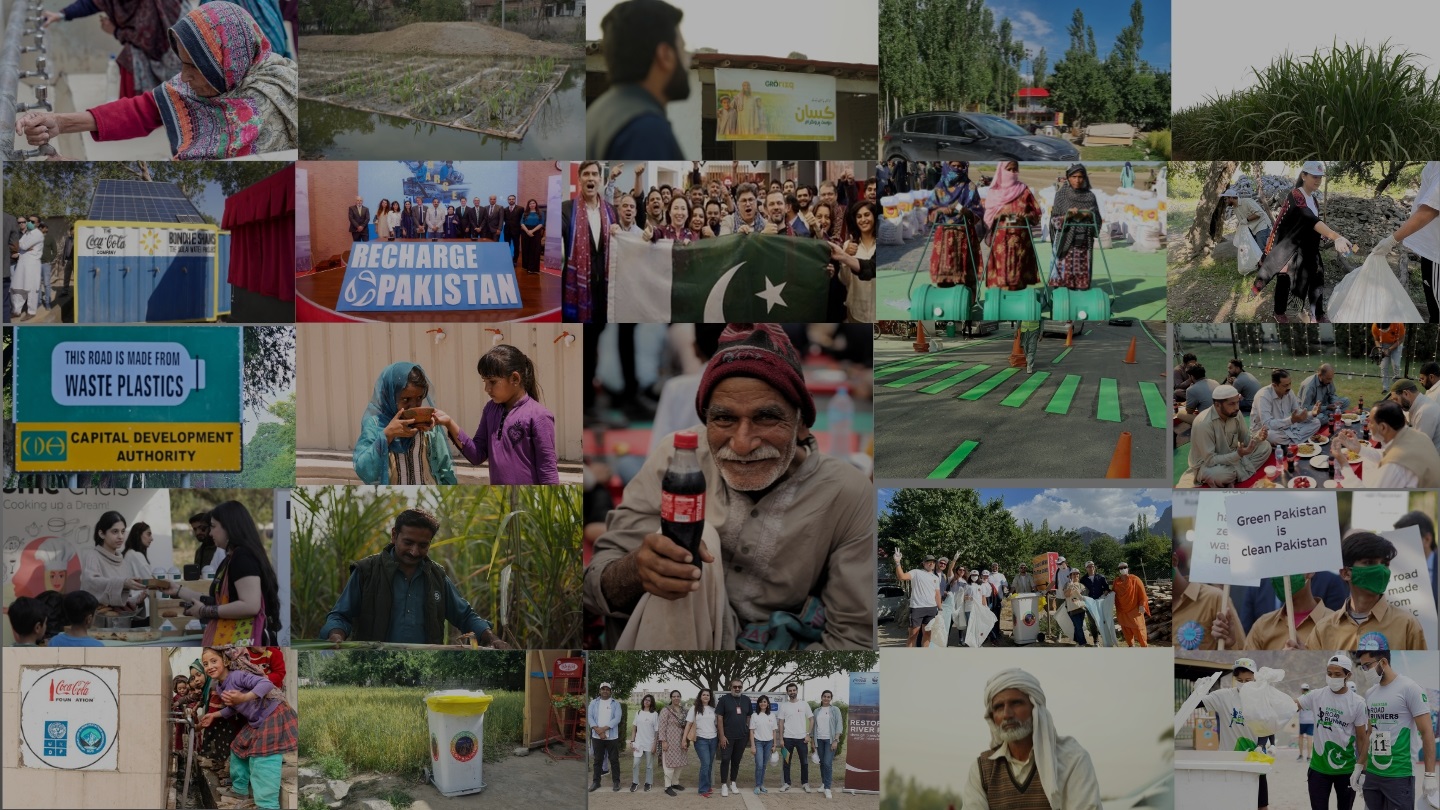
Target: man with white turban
1028	766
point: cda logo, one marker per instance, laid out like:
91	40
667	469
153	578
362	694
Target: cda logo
43	445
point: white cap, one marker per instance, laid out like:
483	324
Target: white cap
606	685
1062	559
1246	663
1314	167
1229	192
1343	661
1224	392
985	572
1089	563
1304	686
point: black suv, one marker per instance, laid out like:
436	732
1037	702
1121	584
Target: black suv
948	136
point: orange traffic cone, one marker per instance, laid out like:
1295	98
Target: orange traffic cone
1130	355
1070	336
1120	460
920	344
1017	354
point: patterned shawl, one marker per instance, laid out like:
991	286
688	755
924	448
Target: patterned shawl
955	189
579	298
141	24
1081	199
1006	189
255	111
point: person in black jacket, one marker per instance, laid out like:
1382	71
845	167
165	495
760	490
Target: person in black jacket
359	220
513	213
733	711
472	220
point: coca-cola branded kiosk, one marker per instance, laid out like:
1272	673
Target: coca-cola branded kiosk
70	718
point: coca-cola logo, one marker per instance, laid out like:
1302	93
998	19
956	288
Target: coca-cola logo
105	241
69	688
567	666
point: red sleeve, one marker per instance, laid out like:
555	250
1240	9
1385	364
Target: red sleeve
273	662
133	117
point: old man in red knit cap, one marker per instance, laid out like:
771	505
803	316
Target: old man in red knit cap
796	527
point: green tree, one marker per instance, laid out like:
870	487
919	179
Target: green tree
269	363
762	671
1106	553
622	670
65	188
1038	63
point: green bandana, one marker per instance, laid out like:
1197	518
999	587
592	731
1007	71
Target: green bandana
1297	581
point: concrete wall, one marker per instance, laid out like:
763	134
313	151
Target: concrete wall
535	180
338	365
332	187
144	702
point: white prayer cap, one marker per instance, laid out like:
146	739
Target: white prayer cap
1224	392
1314	167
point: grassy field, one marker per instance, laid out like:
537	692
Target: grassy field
1131	153
384	729
1354	377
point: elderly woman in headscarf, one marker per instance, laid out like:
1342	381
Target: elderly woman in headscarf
394	449
233	96
1292	253
959	216
1010	212
1075	220
1027	764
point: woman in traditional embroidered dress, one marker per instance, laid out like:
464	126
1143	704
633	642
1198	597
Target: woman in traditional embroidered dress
1292	253
395	450
1010	212
233	96
1074	222
147	59
959	216
674	749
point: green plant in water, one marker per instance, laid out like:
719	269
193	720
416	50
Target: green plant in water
1351	102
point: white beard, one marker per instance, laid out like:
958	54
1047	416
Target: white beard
1009	735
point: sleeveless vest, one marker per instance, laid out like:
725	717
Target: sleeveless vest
1414	451
612	112
377	573
1003	793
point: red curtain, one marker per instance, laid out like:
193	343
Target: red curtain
261	221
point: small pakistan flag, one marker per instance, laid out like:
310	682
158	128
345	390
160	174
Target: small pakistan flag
746	278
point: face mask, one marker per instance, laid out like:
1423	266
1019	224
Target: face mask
1297	581
29	226
1335	684
1373	578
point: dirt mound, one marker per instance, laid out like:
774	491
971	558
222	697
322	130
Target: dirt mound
443	39
1365	220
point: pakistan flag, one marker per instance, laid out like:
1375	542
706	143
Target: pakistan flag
1332	759
1390	757
738	278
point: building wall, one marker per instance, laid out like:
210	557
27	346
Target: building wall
341	362
144	702
333	184
535	180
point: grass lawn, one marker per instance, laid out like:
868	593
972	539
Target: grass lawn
1131	153
1354	377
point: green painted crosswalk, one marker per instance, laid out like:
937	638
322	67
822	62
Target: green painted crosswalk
1060	403
953	380
1061	355
1019	395
902	366
1108	409
920	375
954	460
989	385
1154	404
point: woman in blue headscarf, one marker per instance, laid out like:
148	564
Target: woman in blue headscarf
959	216
395	450
1127	176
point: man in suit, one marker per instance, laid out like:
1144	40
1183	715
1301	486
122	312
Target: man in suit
359	220
512	228
434	220
462	216
473	220
494	218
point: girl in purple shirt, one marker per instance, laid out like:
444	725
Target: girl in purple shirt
269	731
516	433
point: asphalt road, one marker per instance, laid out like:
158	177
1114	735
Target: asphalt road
924	420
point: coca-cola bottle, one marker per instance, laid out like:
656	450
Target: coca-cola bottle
682	497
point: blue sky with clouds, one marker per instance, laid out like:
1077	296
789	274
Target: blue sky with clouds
1108	510
1044	24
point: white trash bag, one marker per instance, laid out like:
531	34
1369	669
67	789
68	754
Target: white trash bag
1247	251
1266	708
1372	294
889	232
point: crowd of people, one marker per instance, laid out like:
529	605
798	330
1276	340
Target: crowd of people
521	228
842	212
241	605
942	596
244	725
1354	753
1225	449
405	439
1331	609
720	731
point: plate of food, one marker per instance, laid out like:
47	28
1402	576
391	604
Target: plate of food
1320	462
1320	440
1351	456
1265	483
1307	449
125	635
1349	418
1302	482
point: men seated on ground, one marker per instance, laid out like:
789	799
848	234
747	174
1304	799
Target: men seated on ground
1223	451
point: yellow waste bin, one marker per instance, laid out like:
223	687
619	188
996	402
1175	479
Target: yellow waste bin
457	733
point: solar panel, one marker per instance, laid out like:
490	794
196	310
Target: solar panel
140	201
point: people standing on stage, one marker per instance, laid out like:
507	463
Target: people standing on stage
473	219
452	223
532	236
393	221
408	221
494	220
463	215
359	221
434	220
382	221
513	213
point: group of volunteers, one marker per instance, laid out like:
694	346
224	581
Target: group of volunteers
1225	449
721	729
1333	610
1291	234
1360	743
938	591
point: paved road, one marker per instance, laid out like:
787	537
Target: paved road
1062	422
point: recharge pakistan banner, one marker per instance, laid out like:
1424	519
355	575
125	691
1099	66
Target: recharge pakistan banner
127	398
768	105
862	741
429	277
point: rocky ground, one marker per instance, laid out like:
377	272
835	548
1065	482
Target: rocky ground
528	779
469	39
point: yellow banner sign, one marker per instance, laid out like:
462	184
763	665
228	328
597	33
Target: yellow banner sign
135	447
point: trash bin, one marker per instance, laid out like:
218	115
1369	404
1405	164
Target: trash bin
457	731
1205	779
1025	608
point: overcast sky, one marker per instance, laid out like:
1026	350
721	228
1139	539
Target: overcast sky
1108	510
810	690
832	31
1224	39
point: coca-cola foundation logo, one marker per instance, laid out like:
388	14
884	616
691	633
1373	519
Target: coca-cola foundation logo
105	241
69	688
